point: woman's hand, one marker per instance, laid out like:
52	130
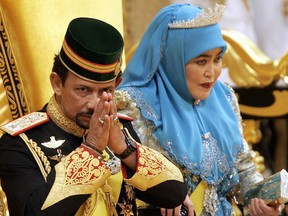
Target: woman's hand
258	207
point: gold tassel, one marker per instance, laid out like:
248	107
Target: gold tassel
110	202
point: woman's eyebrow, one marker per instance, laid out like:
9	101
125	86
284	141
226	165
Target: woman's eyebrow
203	55
209	55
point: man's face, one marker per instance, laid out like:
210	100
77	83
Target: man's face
77	98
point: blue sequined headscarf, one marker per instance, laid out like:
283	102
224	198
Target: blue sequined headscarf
155	77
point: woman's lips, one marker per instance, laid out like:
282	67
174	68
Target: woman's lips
206	85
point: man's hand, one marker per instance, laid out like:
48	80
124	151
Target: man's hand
116	138
177	211
99	127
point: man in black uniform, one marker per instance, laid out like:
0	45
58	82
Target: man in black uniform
77	156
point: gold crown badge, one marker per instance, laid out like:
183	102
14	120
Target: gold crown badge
206	17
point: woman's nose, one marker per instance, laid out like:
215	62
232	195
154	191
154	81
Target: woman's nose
209	72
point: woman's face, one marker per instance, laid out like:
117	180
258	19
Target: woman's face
202	73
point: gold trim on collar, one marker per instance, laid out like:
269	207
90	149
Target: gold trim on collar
61	120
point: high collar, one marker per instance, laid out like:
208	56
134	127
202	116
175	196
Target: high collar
61	120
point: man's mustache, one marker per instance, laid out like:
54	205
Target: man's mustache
88	113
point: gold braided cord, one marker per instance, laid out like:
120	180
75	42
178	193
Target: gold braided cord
38	154
88	206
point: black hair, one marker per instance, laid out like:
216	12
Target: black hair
60	69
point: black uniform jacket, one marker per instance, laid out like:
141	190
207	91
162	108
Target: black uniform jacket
29	175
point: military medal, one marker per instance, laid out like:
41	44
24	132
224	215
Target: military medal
57	157
55	144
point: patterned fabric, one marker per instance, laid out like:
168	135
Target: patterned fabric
245	166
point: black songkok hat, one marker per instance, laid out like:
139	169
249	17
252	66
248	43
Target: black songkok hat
92	49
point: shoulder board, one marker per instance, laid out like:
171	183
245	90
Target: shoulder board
25	123
124	117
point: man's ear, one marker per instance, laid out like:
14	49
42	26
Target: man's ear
56	83
118	81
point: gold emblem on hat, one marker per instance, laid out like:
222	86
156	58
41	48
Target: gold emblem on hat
118	66
53	143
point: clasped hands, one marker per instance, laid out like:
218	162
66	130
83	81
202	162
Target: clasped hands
104	129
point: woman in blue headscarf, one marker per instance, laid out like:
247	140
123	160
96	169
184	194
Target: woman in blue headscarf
180	108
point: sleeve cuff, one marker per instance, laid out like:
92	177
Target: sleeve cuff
81	172
152	169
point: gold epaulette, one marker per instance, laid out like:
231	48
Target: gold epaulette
25	123
124	117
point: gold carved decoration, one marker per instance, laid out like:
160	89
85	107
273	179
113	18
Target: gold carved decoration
10	75
253	135
250	67
278	108
3	203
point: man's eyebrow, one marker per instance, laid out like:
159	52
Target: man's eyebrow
107	87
